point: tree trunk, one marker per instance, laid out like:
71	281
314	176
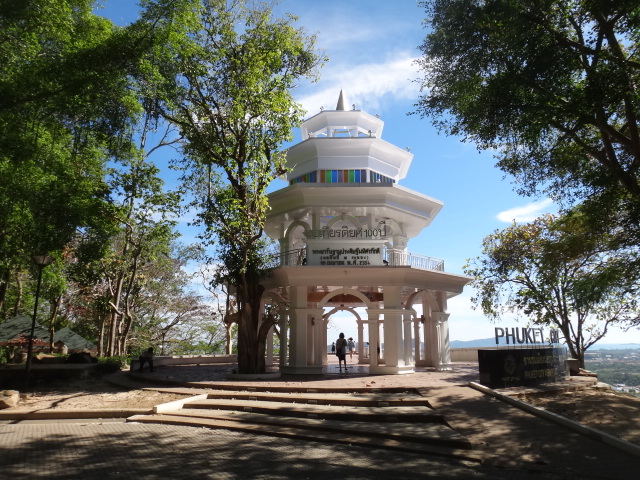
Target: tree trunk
124	335
247	342
101	319
18	302
111	335
253	329
4	284
115	315
580	357
229	348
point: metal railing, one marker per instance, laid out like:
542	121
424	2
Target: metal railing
392	257
404	258
291	258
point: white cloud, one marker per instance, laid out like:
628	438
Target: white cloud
366	85
527	213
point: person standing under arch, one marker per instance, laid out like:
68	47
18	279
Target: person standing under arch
351	345
341	352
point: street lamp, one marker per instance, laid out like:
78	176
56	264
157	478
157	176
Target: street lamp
41	261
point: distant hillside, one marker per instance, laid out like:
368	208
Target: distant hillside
615	346
483	342
491	342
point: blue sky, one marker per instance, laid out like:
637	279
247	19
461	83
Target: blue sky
371	47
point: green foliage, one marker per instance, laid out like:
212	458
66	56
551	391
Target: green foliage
551	86
67	106
555	272
234	111
616	366
76	94
113	364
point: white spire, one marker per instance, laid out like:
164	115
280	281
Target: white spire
341	102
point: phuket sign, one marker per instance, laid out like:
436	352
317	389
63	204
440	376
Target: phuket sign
524	336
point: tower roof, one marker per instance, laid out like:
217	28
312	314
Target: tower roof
344	139
340	105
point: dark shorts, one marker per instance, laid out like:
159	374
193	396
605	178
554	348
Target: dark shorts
340	354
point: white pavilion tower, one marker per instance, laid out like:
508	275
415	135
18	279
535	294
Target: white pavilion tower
343	224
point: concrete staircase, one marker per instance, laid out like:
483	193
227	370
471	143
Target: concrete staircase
382	419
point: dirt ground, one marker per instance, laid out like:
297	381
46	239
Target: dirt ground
91	393
608	411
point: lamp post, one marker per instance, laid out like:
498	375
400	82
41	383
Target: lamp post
41	261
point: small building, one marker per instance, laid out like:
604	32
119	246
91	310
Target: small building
343	225
21	325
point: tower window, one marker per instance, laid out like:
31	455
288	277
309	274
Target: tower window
341	176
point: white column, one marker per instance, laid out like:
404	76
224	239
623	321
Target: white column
325	361
394	361
303	347
268	361
408	350
374	338
284	338
444	358
360	342
319	337
393	314
298	340
309	339
431	342
416	341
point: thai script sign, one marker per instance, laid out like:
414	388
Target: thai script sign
524	335
326	255
501	367
345	232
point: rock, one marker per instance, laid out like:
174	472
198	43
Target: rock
9	398
46	358
573	366
81	357
603	386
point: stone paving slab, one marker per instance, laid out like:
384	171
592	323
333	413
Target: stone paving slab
150	452
58	413
513	444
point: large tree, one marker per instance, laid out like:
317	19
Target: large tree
555	272
551	86
235	111
67	106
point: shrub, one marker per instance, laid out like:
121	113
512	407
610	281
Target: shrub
112	364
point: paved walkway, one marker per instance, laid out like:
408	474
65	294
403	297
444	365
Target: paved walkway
514	444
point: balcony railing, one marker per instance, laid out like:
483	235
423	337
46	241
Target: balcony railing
404	258
290	258
391	257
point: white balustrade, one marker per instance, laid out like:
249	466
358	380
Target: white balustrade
391	257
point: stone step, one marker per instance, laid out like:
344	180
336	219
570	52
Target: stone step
419	414
287	388
364	400
428	433
301	432
399	420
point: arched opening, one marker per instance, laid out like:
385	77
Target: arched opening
344	313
